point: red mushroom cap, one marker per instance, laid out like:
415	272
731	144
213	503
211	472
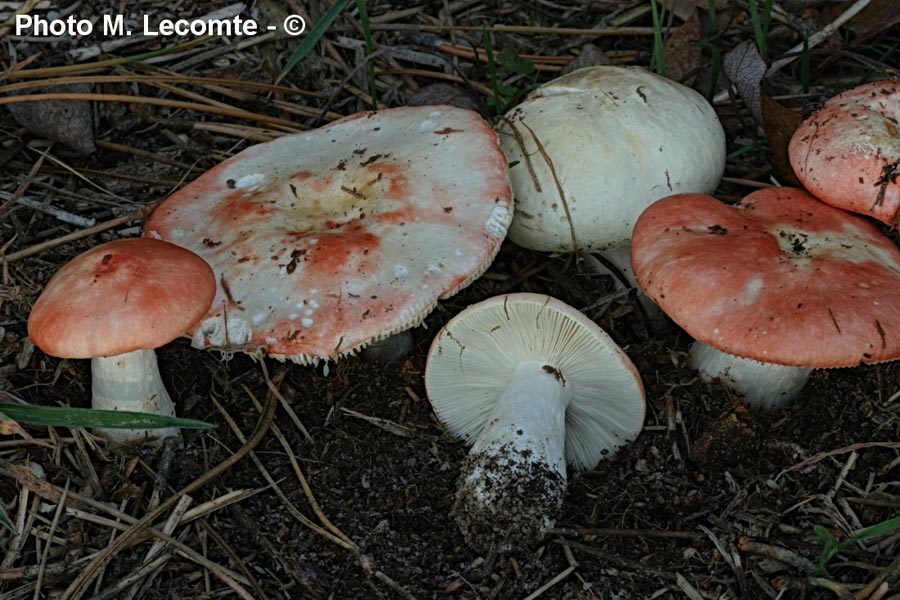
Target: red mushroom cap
121	296
779	277
848	152
325	241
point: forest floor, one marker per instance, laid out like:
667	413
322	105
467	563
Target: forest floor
710	501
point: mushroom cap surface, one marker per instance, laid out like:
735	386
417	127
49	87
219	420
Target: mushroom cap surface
779	277
610	140
847	152
328	240
125	295
474	355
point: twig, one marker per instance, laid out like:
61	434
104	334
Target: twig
615	532
823	455
77	588
77	235
782	555
53	525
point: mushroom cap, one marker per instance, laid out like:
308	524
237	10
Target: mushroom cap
328	240
618	138
847	153
779	277
474	355
125	295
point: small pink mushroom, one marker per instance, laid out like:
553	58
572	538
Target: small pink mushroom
847	153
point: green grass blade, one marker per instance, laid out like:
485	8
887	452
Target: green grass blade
497	100
87	417
658	59
4	520
367	33
314	35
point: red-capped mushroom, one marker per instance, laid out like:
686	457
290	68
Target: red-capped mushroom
115	304
848	152
779	278
325	241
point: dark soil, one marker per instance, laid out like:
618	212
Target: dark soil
711	501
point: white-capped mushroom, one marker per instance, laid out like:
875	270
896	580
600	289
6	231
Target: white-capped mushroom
594	148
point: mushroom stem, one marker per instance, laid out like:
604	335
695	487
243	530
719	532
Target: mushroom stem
761	385
514	478
131	382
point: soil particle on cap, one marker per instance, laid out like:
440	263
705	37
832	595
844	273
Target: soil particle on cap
510	503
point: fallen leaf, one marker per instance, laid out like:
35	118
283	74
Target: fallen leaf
745	68
683	55
9	427
683	9
589	56
69	122
443	93
779	124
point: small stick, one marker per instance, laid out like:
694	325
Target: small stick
782	555
77	235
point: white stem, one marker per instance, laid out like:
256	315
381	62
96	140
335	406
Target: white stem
514	479
131	382
762	385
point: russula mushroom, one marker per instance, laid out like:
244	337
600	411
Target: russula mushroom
595	147
771	287
533	384
848	152
115	304
325	241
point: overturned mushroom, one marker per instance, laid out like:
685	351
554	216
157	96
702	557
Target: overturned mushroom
533	384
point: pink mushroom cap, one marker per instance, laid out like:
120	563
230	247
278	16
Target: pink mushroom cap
779	277
848	152
328	240
125	295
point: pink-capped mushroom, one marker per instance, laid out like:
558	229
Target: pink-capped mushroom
328	240
771	287
848	152
115	304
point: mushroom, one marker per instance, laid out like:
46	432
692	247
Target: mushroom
595	147
532	384
328	240
848	152
115	304
771	287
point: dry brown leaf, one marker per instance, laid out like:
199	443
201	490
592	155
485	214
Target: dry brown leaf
683	55
683	9
779	124
589	56
745	68
68	122
443	93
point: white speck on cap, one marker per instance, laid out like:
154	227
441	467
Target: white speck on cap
427	126
400	271
259	318
307	322
249	182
